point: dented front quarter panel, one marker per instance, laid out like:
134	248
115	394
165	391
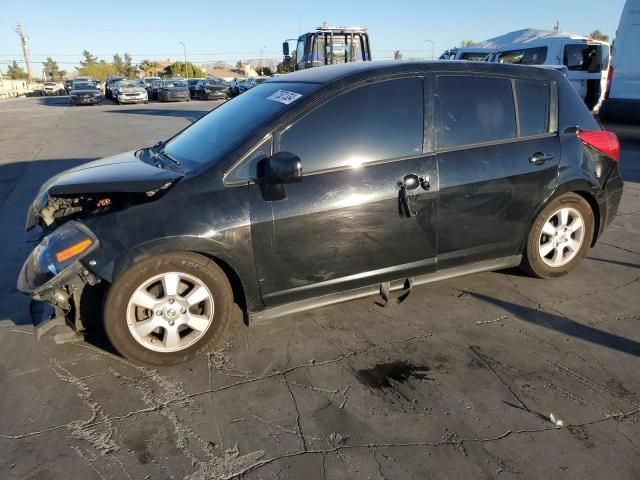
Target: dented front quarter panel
199	214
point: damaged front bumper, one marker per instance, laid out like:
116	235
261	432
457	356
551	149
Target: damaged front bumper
54	276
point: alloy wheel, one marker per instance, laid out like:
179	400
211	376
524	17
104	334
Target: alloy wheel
561	237
170	312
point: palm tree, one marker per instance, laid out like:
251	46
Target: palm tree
149	68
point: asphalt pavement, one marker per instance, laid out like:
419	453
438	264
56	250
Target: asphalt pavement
490	375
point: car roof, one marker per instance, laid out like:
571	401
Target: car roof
331	73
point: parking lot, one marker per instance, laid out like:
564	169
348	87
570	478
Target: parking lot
495	374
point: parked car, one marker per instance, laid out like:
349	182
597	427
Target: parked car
191	84
251	82
152	89
148	81
52	88
84	92
174	91
622	101
412	192
234	86
586	59
111	79
129	91
211	89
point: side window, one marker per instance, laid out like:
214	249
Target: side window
475	110
533	107
526	56
246	169
378	121
583	57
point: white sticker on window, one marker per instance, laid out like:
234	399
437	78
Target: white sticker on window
284	96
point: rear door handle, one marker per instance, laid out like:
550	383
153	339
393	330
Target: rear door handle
539	158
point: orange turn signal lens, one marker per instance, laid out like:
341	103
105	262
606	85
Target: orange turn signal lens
74	250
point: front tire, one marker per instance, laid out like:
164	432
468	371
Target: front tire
559	237
168	309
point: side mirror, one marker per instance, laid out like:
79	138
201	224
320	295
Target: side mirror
285	49
283	167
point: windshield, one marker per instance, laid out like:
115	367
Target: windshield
132	84
213	83
226	127
174	83
150	81
585	57
82	85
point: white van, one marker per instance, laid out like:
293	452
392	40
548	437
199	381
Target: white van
586	60
622	103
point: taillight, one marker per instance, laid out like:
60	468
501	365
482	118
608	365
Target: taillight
603	141
609	79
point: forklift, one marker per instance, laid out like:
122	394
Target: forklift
328	46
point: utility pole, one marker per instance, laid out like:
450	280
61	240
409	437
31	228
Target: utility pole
261	68
556	27
186	71
25	50
433	48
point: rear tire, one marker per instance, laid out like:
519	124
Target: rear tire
144	293
559	237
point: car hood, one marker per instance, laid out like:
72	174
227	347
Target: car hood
119	174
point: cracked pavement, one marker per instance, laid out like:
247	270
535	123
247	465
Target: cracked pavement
459	381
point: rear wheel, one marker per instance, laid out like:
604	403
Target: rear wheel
560	237
168	309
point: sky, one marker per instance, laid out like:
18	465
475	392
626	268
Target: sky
215	30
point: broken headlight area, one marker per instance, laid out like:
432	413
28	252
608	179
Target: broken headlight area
54	274
50	211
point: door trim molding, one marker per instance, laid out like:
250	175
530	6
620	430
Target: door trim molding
347	295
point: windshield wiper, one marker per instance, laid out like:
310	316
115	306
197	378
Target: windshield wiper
165	154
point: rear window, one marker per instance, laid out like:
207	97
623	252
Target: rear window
475	110
586	58
533	107
525	56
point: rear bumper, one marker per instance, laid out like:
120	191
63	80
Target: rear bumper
610	200
618	110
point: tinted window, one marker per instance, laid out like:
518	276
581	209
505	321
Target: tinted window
475	110
533	107
526	56
228	126
378	121
583	57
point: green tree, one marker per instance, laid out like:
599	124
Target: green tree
52	71
598	35
178	69
118	64
16	72
286	67
130	70
397	55
239	64
466	43
265	71
88	59
98	70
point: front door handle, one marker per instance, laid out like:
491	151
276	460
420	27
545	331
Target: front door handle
539	158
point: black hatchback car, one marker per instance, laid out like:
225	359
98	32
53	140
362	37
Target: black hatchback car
321	186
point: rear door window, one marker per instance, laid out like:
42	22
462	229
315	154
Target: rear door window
586	58
533	107
475	110
378	121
